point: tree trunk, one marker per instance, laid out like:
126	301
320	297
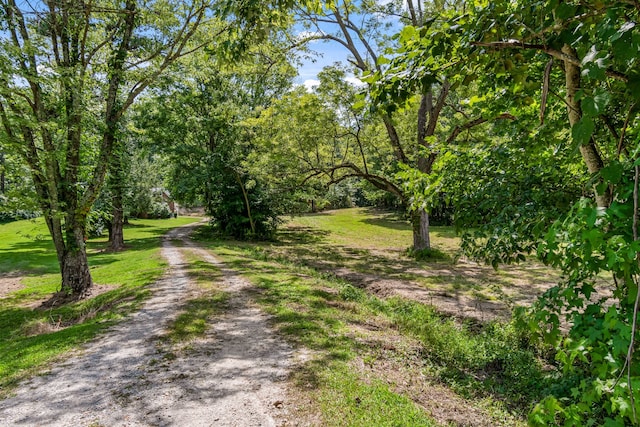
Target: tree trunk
116	228
428	114
589	151
420	225
246	203
2	175
76	277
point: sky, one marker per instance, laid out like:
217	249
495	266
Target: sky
328	53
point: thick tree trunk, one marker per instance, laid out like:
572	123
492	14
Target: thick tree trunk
420	225
427	119
116	228
76	277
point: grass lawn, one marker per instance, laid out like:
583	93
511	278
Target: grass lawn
372	245
368	229
369	358
30	337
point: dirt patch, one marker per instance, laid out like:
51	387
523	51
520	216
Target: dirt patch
464	290
10	284
457	304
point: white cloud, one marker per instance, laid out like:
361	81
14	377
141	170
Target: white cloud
354	81
311	36
310	84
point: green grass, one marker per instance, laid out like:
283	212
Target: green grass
31	338
367	228
310	312
26	247
492	365
374	242
361	404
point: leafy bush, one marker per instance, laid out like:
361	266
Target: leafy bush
19	214
97	222
229	214
159	210
600	383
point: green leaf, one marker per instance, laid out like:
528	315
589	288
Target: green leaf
407	33
583	130
627	26
383	60
565	11
633	85
594	106
613	172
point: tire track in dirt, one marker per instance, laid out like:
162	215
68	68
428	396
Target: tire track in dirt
234	376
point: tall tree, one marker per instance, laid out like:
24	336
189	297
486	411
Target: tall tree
361	28
198	122
51	53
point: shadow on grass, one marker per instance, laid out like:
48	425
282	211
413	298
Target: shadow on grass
391	220
32	257
39	257
30	338
388	268
301	236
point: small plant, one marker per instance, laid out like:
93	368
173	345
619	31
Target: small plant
351	293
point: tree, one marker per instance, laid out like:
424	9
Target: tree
360	30
580	57
51	53
200	126
591	51
297	141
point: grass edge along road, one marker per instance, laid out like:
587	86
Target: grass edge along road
372	361
32	338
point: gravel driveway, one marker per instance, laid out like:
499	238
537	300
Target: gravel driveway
234	376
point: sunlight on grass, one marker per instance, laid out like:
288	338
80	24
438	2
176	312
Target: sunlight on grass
369	228
373	244
319	312
306	284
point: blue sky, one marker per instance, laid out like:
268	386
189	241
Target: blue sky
329	52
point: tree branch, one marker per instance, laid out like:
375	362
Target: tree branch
475	122
378	181
516	44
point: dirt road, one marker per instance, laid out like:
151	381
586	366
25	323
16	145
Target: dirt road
234	376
